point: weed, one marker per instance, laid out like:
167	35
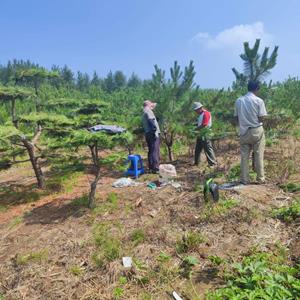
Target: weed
112	198
235	171
76	270
15	222
118	292
145	296
27	214
221	208
128	209
288	213
82	201
3	208
38	256
63	181
259	276
189	242
110	205
122	280
216	260
198	187
138	236
291	187
163	257
187	266
108	245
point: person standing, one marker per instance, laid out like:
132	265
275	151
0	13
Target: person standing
204	123
152	133
250	110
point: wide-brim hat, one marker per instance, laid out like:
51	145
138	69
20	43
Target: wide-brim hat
197	105
149	103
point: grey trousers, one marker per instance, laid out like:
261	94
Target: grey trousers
153	144
206	145
253	138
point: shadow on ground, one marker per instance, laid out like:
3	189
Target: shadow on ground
56	211
12	193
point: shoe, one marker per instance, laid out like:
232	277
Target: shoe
259	182
154	171
243	183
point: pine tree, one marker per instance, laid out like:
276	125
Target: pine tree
171	96
134	81
119	80
20	138
67	76
109	83
256	66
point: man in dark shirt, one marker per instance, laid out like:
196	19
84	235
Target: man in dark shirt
152	133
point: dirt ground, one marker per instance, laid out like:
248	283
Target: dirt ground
45	238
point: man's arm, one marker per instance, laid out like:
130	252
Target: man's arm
236	120
262	112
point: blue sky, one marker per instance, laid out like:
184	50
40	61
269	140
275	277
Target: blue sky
133	35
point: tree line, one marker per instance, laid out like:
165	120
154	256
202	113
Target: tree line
45	114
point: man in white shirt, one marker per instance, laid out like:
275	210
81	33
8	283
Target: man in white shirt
250	110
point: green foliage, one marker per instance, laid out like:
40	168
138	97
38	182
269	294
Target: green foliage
15	222
38	256
110	205
46	118
138	236
256	66
76	270
235	171
219	209
8	93
260	276
187	265
163	257
288	213
216	260
291	187
108	246
115	161
81	201
118	292
190	242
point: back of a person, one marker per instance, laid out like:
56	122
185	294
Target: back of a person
248	110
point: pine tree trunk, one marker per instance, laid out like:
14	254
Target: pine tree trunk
92	194
35	164
93	188
13	113
170	153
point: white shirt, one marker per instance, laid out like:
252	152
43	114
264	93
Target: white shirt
248	108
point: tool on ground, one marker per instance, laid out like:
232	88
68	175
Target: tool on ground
211	189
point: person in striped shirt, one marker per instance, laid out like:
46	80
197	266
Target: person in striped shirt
204	124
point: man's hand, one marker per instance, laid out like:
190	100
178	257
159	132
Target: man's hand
261	119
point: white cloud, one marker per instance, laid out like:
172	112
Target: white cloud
234	37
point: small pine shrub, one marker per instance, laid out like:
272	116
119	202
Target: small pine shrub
190	242
138	236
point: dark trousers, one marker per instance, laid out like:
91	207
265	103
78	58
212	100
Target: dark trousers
203	143
153	150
